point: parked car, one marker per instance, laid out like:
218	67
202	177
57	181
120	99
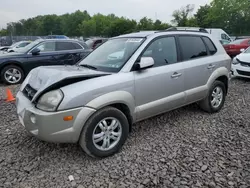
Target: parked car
242	37
95	102
234	48
18	45
14	46
16	65
241	64
219	34
95	42
57	37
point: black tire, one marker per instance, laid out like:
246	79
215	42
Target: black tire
86	140
206	105
11	67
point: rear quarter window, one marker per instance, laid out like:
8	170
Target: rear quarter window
77	46
210	45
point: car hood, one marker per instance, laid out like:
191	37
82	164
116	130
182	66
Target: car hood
46	78
244	57
1	47
5	54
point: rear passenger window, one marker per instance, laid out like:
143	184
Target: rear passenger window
210	45
192	47
60	46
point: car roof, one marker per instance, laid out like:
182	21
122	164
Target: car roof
60	40
144	34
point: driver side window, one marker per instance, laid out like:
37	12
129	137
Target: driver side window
163	51
47	47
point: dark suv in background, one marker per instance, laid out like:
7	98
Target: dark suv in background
95	42
15	66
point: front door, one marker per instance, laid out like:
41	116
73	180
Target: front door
160	88
46	57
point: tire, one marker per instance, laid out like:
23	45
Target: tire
206	104
94	149
19	74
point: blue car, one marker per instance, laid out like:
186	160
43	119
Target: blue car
57	37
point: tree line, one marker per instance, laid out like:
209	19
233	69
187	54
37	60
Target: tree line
231	15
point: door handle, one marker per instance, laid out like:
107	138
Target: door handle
176	75
210	66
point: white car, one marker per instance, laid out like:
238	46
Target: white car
241	64
18	45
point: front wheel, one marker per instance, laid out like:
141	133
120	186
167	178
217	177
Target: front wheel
12	74
104	133
215	99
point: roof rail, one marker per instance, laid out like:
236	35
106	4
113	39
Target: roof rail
192	29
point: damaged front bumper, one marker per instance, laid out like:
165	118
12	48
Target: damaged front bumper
51	126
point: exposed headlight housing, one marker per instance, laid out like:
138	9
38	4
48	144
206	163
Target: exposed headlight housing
50	100
25	82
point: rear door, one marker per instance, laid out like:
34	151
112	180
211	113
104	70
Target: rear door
68	53
83	50
199	64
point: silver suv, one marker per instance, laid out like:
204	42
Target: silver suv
127	79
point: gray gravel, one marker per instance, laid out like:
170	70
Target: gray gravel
182	148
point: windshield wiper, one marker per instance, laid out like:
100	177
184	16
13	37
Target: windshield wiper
88	66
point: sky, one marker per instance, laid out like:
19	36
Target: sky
14	10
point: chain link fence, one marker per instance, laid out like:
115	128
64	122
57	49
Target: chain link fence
9	40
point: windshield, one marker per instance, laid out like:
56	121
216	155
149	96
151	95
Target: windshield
113	54
247	50
28	47
15	44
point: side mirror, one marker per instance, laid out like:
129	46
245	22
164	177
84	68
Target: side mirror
144	63
35	51
242	50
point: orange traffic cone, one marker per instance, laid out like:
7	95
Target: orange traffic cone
9	95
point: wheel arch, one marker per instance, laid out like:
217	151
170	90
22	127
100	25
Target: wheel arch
15	63
220	74
121	100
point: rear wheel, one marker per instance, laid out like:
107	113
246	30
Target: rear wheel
104	133
215	99
12	74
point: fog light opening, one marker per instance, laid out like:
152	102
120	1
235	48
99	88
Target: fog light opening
33	118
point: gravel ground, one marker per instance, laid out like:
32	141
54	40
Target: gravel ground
182	148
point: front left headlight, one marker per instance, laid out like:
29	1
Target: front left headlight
50	100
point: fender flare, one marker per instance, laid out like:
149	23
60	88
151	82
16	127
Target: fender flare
222	71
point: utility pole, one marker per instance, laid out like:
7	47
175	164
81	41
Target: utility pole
156	16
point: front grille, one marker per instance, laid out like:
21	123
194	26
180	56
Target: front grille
29	92
242	63
244	73
245	64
